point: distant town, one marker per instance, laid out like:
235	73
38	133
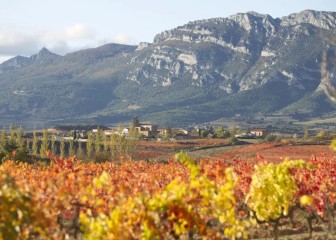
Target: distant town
148	132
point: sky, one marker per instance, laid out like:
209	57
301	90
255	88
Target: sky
65	26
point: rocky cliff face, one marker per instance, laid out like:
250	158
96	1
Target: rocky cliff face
323	20
238	53
213	66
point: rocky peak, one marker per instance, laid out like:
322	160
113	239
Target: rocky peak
325	20
44	56
252	21
44	52
211	30
257	42
14	63
209	68
248	16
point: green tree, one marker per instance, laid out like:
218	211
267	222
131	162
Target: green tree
221	133
129	147
80	151
113	145
233	140
106	143
233	132
3	136
98	141
35	144
62	148
22	155
226	134
6	150
166	136
89	148
71	148
119	143
19	137
120	146
53	144
204	133
132	132
270	138
28	144
12	133
45	144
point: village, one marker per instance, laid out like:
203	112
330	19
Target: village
150	132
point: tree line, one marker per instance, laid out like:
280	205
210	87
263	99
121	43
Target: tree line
98	147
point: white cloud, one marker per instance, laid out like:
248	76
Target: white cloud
121	38
14	41
78	31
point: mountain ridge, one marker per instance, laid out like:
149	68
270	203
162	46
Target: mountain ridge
249	64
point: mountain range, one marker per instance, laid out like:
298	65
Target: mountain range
247	64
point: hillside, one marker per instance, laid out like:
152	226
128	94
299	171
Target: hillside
248	64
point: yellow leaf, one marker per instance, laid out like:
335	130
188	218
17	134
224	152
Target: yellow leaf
305	200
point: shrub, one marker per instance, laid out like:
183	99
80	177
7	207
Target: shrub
232	140
270	138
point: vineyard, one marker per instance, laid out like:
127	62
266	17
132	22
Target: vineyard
228	198
98	190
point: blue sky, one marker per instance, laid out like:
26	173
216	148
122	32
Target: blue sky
67	25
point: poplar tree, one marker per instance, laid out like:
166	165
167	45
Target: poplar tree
98	141
71	148
12	133
62	148
35	146
45	144
112	145
19	137
80	152
28	145
89	148
53	144
106	143
119	142
3	136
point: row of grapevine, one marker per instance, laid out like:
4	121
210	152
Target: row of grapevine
180	199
